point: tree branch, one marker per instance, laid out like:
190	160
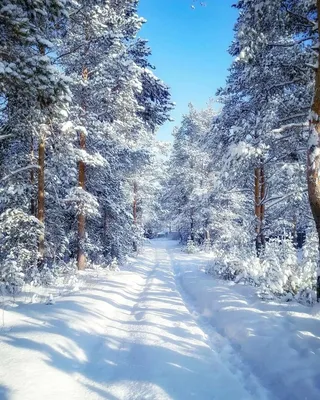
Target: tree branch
19	170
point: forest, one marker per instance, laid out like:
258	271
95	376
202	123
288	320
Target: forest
79	108
83	177
91	200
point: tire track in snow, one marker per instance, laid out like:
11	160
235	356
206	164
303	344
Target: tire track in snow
215	339
176	324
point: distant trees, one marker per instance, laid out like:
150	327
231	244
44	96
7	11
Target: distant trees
188	188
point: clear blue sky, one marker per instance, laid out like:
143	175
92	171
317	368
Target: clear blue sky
189	49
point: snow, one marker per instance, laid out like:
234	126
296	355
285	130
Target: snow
158	329
279	342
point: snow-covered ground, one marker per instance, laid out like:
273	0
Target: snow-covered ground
278	342
159	329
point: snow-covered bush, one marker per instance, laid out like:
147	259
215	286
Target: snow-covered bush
191	247
280	267
114	266
239	264
19	236
12	276
281	271
307	272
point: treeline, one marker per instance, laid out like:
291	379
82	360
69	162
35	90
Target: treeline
239	179
79	108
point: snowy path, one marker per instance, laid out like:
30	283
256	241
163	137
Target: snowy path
131	335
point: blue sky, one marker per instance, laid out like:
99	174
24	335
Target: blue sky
189	49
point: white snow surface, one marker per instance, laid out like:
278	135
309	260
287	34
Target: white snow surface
159	329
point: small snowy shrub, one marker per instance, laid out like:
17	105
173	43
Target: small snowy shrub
19	234
223	264
12	275
235	265
251	269
47	276
281	270
190	248
281	267
307	273
114	266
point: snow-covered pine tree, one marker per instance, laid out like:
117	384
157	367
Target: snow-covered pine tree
288	31
116	107
34	96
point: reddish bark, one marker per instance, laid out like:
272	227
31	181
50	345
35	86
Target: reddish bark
81	259
32	181
314	157
81	218
41	199
259	197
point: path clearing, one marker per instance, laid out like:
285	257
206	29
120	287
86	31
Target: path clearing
130	335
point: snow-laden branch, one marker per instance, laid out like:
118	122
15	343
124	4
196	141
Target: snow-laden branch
69	52
3	137
17	171
290	126
306	20
277	200
293	116
280	85
290	44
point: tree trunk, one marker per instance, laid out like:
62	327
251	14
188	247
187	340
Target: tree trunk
135	193
192	228
41	151
32	181
257	208
314	158
259	194
41	157
294	232
262	205
105	224
134	206
81	217
81	259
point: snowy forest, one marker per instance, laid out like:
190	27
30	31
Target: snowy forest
83	177
79	109
249	173
89	194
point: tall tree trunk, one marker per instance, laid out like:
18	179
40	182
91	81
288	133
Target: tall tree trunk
81	259
134	210
32	181
192	227
41	158
81	217
259	194
105	224
314	157
262	205
135	194
294	230
257	208
41	151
